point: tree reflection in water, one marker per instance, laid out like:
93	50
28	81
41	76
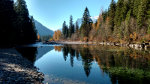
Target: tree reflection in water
28	52
34	53
87	60
124	65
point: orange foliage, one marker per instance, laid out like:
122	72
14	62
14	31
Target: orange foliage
133	36
51	39
94	25
99	21
111	39
38	37
57	48
107	20
57	35
146	38
85	39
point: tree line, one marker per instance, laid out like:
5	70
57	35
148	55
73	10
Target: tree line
125	61
16	26
125	21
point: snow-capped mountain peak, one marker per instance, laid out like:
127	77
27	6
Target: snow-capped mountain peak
94	19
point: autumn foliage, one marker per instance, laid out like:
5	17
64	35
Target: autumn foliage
38	37
57	35
125	21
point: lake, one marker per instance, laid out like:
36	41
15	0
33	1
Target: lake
89	64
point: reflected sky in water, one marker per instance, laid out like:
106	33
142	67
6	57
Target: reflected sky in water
52	64
90	64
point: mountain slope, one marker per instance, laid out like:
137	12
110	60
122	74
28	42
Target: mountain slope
42	30
41	51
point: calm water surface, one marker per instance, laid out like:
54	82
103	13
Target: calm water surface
91	64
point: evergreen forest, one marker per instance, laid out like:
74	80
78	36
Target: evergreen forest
125	21
16	26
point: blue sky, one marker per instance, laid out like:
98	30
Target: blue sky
52	13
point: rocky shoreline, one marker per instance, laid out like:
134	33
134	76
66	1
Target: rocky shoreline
131	45
15	69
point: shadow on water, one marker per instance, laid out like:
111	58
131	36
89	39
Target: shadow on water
34	53
28	52
123	65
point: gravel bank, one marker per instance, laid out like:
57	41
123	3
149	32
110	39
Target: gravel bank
14	69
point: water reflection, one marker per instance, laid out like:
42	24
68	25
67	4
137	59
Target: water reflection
124	65
28	52
41	51
34	53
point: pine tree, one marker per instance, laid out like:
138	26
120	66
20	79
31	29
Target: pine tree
136	7
71	26
25	25
65	30
22	19
16	26
125	9
118	14
148	9
86	16
142	12
86	24
7	17
104	15
22	11
33	32
148	31
77	27
131	7
123	6
112	10
148	16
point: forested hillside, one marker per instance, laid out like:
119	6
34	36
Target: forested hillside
15	25
43	32
125	21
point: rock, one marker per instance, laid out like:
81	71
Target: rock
15	69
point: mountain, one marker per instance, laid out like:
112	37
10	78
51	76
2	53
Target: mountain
79	20
42	30
94	19
41	51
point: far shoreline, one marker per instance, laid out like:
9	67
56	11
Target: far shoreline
137	46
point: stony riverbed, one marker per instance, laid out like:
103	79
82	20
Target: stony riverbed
15	69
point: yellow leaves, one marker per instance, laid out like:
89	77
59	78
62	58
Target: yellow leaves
110	39
107	20
38	37
51	39
94	25
57	35
85	46
146	38
133	36
85	39
99	21
122	41
58	48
